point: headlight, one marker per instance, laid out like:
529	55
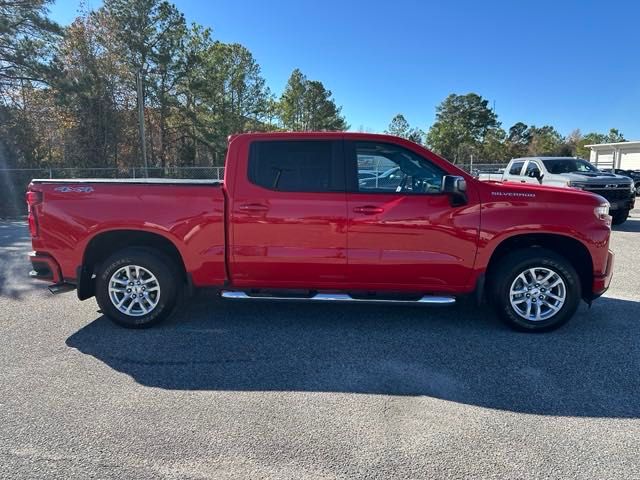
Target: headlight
602	212
579	185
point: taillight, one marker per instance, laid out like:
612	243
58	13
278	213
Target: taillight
33	225
33	198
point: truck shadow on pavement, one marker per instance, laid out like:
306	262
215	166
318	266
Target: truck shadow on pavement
590	367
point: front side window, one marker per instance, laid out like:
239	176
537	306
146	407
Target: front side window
388	168
297	166
532	169
516	168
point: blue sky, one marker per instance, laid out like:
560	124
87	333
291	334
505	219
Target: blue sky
571	64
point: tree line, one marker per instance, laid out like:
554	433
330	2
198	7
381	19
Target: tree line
76	96
467	128
79	96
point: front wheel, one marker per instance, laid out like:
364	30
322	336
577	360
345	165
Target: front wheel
619	217
535	290
137	287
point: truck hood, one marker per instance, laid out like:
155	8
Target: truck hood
597	178
539	193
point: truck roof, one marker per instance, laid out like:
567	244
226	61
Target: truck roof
327	134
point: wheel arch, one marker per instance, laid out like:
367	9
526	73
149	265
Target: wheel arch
105	243
568	247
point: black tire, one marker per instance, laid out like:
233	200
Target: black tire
162	267
515	263
619	217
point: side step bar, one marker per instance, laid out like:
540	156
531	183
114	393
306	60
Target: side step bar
342	297
61	287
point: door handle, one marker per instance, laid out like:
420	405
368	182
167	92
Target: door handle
368	210
523	181
253	208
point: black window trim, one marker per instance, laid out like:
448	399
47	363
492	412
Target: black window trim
351	166
338	157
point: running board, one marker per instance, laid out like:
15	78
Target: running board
61	287
342	297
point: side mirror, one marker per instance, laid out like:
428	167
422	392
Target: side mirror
537	175
456	188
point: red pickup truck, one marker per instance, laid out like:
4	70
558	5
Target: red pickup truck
323	217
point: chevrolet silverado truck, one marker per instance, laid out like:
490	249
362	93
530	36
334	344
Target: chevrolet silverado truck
572	172
294	220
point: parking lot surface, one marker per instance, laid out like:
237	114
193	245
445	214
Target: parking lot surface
316	391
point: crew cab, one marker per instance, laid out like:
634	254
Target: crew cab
294	220
573	172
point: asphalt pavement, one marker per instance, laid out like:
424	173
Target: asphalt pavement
291	391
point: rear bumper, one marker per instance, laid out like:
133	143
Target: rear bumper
44	267
601	282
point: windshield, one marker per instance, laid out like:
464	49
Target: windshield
568	165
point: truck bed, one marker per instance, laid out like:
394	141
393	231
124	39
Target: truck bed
135	181
75	213
490	177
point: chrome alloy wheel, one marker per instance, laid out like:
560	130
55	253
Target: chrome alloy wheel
537	294
134	290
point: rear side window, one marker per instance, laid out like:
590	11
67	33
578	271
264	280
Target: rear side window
297	166
516	168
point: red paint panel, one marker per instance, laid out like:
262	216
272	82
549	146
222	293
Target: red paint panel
417	242
510	209
299	237
189	216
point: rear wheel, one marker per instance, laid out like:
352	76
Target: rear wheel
137	287
619	216
535	290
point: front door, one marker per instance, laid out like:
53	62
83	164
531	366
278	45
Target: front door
288	216
532	173
403	233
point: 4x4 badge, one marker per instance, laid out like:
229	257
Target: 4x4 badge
67	189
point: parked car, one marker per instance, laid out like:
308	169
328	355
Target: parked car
573	173
388	180
365	174
291	221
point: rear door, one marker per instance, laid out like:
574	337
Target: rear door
288	215
404	234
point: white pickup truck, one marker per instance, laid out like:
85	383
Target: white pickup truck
573	173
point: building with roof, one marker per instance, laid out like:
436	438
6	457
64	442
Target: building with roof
622	155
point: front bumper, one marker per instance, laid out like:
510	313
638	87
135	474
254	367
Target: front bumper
44	267
627	204
601	282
